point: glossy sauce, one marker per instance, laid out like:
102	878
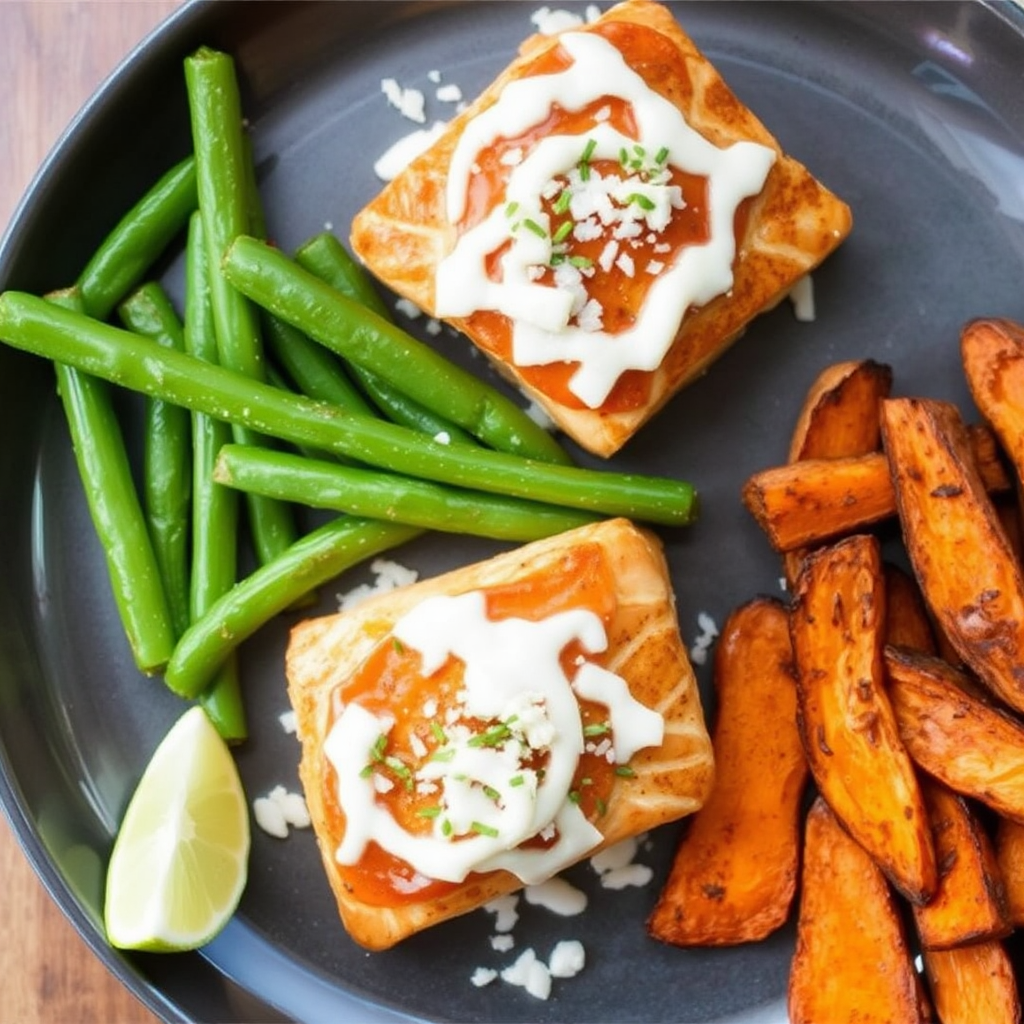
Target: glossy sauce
621	296
390	683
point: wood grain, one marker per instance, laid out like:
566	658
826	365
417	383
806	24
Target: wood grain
52	56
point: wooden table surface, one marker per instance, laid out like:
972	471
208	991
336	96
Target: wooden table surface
53	54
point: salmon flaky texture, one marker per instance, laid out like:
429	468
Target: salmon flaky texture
663	782
782	233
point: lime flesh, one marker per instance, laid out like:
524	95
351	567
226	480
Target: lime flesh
180	859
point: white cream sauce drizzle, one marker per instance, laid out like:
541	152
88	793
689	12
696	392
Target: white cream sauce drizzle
512	675
540	313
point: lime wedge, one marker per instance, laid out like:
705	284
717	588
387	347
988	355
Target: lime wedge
180	859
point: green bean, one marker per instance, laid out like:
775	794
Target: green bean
324	256
129	251
310	562
167	454
280	285
399	499
214	569
31	324
222	178
115	509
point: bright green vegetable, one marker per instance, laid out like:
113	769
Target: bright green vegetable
167	454
115	508
222	182
214	569
310	562
324	256
129	251
400	499
29	323
280	285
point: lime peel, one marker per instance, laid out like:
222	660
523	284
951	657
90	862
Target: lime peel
180	859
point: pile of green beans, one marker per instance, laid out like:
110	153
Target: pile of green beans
381	428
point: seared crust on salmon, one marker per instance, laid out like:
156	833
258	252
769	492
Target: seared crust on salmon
789	228
667	781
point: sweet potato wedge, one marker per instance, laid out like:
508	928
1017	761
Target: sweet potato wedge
973	984
992	352
973	747
839	418
1009	844
809	502
961	557
847	725
851	962
906	618
735	871
969	904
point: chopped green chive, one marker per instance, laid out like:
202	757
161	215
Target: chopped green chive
624	771
377	750
563	202
438	733
517	780
661	156
564	229
531	225
366	772
644	202
574	797
428	812
443	755
484	830
490	793
491	737
602	807
582	262
597	729
623	156
398	645
510	209
446	827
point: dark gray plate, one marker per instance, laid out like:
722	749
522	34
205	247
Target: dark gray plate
914	114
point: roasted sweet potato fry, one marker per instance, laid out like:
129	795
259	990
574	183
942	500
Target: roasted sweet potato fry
847	725
809	502
970	902
851	961
973	984
906	618
839	418
735	871
993	357
960	554
1010	857
973	747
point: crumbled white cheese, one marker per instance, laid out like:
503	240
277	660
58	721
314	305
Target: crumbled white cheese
408	308
502	943
409	103
483	976
403	151
550	21
388	576
449	93
630	875
530	973
278	810
558	896
512	157
704	640
802	297
505	912
434	76
443	437
433	327
288	722
567	959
